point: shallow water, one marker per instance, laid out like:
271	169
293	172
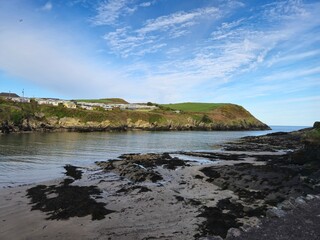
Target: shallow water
34	157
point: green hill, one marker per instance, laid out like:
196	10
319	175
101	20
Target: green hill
193	106
192	116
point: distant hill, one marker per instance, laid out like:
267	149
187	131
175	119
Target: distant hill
104	100
4	94
31	116
217	114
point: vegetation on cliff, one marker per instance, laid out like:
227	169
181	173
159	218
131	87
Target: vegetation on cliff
32	116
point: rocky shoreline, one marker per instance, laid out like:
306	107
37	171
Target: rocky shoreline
249	189
7	128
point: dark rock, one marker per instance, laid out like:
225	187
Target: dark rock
140	167
73	172
217	222
198	176
128	189
6	128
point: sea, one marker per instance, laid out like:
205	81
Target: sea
34	157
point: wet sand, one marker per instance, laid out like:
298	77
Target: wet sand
236	193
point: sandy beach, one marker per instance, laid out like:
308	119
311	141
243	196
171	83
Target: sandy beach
238	192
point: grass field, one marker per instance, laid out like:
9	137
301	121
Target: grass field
104	100
194	107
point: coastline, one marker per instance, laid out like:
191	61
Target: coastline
125	128
143	190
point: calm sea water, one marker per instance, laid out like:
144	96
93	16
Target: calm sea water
34	157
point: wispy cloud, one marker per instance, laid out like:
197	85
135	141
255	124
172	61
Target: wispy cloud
47	7
108	12
284	10
155	32
178	20
301	72
245	47
147	4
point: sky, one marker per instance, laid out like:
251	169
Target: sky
263	55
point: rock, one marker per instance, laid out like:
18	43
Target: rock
310	197
141	124
300	201
52	120
6	128
286	205
69	122
275	213
250	223
211	238
39	115
233	232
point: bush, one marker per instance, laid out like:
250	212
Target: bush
206	119
17	117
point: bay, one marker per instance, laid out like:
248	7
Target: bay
34	157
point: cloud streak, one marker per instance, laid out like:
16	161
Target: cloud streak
108	12
154	33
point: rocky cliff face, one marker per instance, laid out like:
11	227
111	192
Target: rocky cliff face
75	124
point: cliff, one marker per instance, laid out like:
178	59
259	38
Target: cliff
16	117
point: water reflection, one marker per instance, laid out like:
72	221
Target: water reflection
34	157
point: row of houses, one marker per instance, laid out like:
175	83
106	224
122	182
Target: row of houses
75	104
111	106
41	101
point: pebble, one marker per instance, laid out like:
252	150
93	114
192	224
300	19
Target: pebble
275	213
286	205
233	232
310	197
300	201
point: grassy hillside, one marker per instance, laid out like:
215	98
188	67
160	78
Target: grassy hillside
193	116
193	106
104	100
314	134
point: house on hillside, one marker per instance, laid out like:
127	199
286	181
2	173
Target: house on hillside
69	104
20	99
47	101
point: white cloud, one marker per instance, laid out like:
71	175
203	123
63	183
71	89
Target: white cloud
293	74
284	10
36	56
155	32
145	4
178	20
293	57
108	12
47	7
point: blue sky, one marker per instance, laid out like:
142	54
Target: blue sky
263	55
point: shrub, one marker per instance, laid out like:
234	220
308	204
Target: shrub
206	119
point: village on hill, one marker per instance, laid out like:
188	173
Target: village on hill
78	104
